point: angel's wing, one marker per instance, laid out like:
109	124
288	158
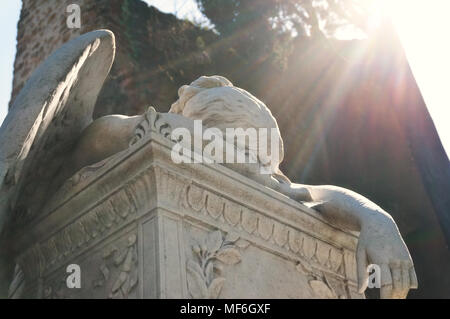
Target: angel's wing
46	119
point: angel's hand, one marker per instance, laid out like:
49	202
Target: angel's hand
380	243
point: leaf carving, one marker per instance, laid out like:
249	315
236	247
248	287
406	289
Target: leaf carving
216	287
196	284
119	282
125	260
105	271
215	248
229	256
321	289
242	243
193	266
134	278
303	267
209	272
214	241
232	237
128	262
120	257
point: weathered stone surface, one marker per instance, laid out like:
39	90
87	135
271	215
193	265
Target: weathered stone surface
141	226
46	121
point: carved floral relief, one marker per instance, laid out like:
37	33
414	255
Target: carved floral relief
204	272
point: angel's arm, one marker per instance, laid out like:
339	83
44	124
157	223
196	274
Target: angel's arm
379	242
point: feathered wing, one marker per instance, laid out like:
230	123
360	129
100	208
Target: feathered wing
46	119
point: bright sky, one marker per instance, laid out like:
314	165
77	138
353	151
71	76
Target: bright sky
424	29
185	9
423	26
9	16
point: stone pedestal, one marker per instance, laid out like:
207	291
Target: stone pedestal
141	226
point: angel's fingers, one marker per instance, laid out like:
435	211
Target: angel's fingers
386	282
397	281
386	277
405	281
386	292
361	263
405	278
414	284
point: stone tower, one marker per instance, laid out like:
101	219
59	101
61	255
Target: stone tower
156	52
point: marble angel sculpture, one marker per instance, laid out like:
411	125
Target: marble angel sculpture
49	135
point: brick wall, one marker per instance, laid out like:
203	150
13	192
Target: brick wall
156	52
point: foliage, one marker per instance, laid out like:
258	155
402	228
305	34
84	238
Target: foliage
264	30
298	17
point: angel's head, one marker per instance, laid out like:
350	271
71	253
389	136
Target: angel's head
219	104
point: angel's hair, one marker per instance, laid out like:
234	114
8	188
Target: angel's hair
219	104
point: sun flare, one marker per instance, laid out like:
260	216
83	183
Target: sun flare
423	28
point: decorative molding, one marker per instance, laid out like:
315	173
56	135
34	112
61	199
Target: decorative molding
56	290
190	196
152	122
330	269
204	274
95	225
187	196
119	271
84	173
321	283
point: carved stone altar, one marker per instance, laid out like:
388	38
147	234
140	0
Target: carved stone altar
141	226
107	199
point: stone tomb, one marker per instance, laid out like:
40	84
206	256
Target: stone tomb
141	226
